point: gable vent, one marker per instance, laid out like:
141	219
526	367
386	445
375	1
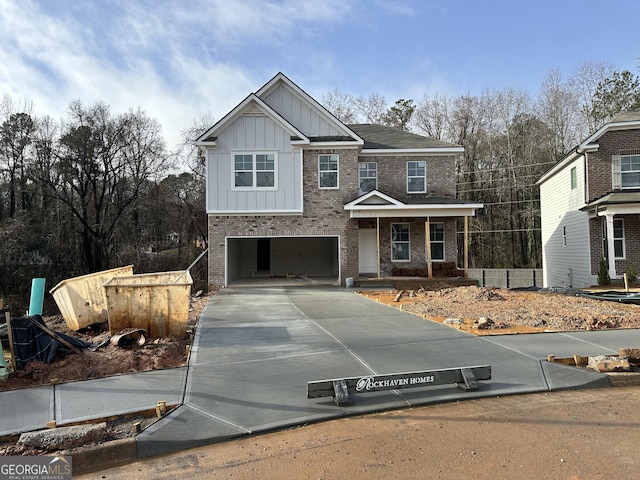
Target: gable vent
253	111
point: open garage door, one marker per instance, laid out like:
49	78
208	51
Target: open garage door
282	257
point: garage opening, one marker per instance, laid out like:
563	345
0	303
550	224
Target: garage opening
282	257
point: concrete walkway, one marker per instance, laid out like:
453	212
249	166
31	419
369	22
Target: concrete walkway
255	349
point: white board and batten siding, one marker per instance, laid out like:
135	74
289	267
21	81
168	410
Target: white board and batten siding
565	229
299	113
254	133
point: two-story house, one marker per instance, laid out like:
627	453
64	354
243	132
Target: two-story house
291	190
589	205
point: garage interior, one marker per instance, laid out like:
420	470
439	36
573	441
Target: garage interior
312	258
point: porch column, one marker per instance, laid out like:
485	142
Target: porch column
611	254
427	235
466	246
378	244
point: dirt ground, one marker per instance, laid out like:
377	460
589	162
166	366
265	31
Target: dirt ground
571	435
511	311
477	310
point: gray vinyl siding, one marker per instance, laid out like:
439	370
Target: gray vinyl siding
299	113
565	266
254	134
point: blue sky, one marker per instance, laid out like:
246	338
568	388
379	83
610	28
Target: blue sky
181	59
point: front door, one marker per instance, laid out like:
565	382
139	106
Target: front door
368	250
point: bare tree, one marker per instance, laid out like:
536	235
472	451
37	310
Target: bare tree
103	166
432	116
341	105
584	81
371	109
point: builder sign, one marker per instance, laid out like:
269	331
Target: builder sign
340	388
387	382
35	468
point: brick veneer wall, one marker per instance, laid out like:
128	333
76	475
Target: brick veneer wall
599	163
632	245
392	175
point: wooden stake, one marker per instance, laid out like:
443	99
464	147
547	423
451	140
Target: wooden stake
398	296
58	337
7	317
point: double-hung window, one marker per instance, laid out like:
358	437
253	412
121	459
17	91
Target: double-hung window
254	170
368	176
400	242
618	238
416	177
437	240
625	171
328	171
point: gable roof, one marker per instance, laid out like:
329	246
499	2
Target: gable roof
250	105
624	121
381	139
377	204
348	135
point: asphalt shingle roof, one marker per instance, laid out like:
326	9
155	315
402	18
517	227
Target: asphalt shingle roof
381	137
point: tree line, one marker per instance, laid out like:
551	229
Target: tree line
95	189
92	191
511	138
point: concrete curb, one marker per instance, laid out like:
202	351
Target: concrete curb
105	455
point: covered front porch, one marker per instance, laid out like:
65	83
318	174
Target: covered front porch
404	237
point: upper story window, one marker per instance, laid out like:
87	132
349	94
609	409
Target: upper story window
368	176
254	170
328	171
625	171
416	177
574	178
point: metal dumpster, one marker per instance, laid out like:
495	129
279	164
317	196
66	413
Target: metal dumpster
81	300
157	302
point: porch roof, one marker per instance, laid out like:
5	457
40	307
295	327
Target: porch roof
615	203
377	204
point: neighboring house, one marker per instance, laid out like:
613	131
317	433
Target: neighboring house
291	190
590	206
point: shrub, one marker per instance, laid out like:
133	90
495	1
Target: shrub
603	273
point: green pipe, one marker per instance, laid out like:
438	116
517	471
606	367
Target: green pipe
37	296
4	371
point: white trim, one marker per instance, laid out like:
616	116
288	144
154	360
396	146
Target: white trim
414	211
411	151
424	190
408	241
234	213
443	242
254	187
336	171
358	202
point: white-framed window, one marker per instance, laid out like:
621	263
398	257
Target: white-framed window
625	170
437	241
618	238
400	248
574	178
254	170
368	176
328	171
416	177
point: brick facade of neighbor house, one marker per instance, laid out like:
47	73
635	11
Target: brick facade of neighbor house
619	142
